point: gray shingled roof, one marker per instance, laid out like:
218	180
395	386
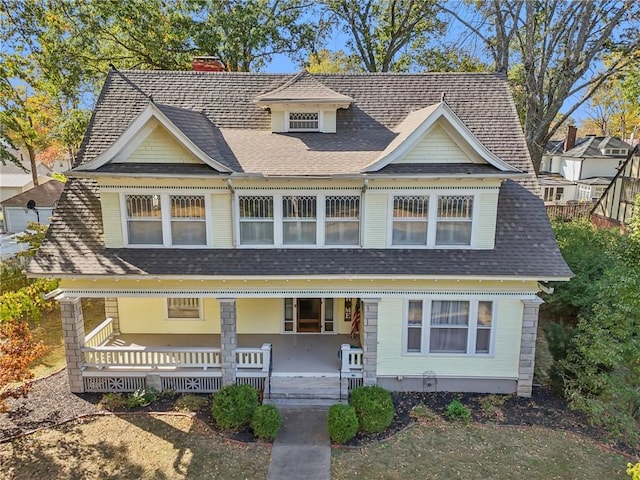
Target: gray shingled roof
45	195
303	87
525	247
593	146
381	102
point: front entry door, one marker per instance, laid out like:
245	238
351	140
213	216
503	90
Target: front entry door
309	315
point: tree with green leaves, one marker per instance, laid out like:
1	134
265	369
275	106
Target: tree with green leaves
325	61
553	52
387	35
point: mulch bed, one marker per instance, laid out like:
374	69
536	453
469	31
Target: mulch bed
50	403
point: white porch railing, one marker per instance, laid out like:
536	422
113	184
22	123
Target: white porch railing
254	358
152	357
351	359
99	335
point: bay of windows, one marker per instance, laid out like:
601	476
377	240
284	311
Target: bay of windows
449	326
299	220
431	220
166	220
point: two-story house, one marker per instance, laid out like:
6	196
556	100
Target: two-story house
580	169
376	228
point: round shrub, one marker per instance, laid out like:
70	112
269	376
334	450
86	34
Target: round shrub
266	422
374	408
343	423
234	405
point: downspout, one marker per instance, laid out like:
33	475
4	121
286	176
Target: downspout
365	186
233	212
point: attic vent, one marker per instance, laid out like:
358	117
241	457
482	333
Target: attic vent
303	121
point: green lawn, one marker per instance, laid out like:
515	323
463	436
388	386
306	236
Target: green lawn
446	451
131	447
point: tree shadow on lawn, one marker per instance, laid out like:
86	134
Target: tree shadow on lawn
67	455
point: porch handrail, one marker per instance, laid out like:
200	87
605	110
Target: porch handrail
152	357
255	358
351	359
99	335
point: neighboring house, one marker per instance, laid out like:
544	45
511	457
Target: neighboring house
241	226
15	180
615	207
35	205
580	169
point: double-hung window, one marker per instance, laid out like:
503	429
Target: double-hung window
166	220
188	225
342	220
299	220
144	219
448	326
410	224
256	220
183	308
455	214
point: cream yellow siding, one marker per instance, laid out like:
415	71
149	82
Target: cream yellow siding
263	315
485	223
375	220
277	121
149	315
111	219
435	147
222	221
503	364
329	121
161	147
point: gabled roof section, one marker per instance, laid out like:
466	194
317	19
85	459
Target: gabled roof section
191	129
595	146
303	88
417	124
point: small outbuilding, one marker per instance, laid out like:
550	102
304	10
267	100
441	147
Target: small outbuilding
35	205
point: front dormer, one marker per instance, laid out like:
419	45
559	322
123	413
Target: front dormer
303	104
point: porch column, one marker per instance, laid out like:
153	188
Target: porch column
370	341
73	336
528	346
111	311
228	339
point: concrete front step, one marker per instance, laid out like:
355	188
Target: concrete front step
301	402
300	388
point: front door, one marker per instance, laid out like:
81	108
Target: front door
309	315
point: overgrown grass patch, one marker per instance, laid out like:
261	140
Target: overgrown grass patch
452	450
132	446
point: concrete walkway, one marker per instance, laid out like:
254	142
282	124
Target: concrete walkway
301	450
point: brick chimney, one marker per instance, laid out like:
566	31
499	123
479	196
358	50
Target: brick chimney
207	64
570	138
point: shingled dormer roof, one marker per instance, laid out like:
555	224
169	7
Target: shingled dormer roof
303	88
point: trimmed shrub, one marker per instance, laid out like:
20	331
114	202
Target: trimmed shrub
343	423
190	403
374	408
113	401
456	411
266	422
234	406
142	397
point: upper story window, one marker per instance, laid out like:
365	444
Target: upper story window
144	219
432	220
449	326
256	220
166	220
454	220
410	215
304	121
342	220
553	194
299	220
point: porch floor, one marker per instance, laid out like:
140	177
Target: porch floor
303	354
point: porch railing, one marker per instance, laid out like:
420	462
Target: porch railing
254	358
152	357
351	359
99	335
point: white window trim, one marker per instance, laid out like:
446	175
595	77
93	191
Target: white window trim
185	319
320	128
278	218
472	327
165	204
432	218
